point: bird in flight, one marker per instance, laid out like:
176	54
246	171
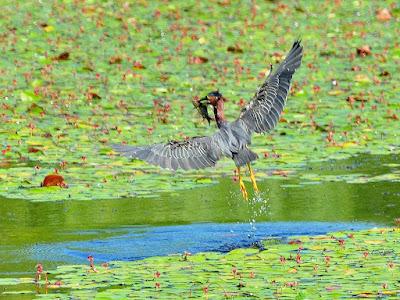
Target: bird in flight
232	139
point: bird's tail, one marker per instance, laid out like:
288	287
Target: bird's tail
244	156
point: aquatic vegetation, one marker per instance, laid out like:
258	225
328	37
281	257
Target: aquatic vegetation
340	264
77	77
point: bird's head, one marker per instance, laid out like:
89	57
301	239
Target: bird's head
213	98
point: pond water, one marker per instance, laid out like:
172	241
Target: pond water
211	218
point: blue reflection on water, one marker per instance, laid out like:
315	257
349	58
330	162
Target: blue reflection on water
137	242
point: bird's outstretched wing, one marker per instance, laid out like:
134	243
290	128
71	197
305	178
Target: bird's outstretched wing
193	153
263	111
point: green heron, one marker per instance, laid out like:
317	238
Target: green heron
232	139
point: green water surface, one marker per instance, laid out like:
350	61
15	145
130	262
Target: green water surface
24	224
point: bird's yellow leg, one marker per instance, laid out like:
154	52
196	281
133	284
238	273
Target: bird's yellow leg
252	178
242	186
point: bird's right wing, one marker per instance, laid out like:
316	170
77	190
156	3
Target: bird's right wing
263	111
193	153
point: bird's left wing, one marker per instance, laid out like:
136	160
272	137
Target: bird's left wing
193	153
263	111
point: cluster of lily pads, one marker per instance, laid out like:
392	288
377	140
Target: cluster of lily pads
362	264
79	76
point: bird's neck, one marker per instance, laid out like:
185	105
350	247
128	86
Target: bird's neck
219	113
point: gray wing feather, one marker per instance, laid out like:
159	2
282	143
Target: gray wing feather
194	153
263	111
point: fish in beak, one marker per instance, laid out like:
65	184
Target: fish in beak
202	107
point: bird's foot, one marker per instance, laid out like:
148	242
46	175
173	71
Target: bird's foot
253	179
242	186
243	190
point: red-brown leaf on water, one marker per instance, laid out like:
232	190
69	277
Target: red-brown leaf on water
235	49
224	2
62	56
291	284
384	73
277	56
115	60
364	50
34	150
280	8
391	115
54	180
294	242
383	15
138	65
58	283
197	60
157	14
316	89
283	120
91	96
280	173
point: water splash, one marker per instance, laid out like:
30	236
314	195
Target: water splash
258	207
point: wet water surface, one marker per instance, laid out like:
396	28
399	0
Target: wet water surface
212	218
